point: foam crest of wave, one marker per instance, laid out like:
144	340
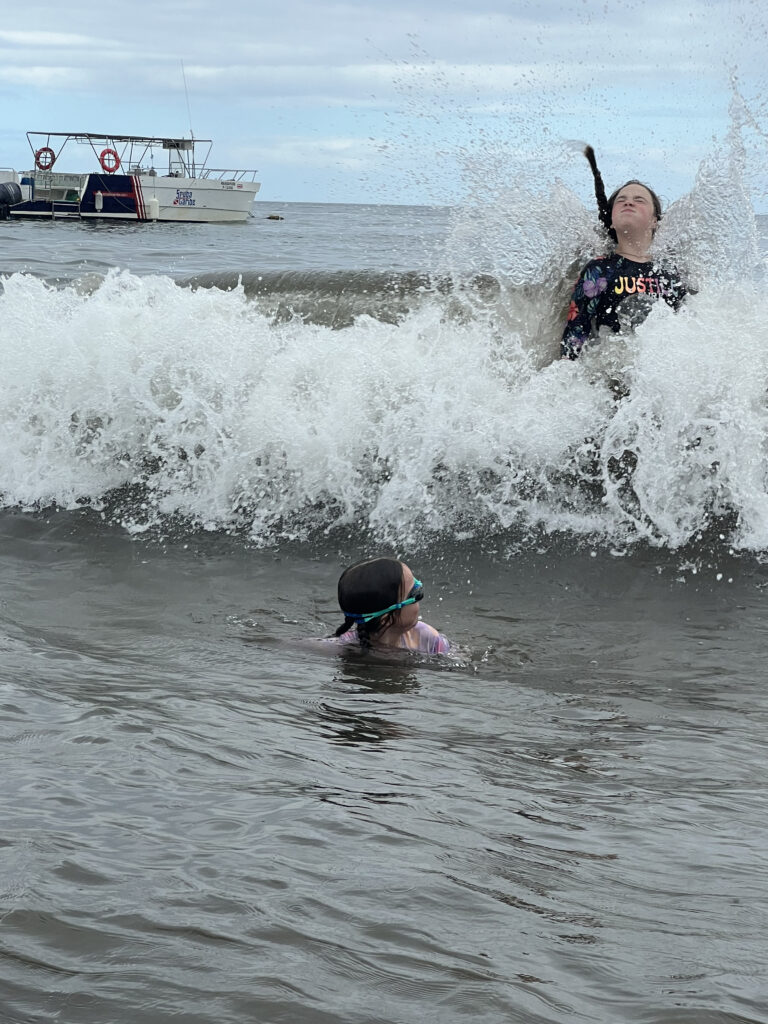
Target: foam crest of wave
237	422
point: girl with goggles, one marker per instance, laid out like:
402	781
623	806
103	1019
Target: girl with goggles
379	599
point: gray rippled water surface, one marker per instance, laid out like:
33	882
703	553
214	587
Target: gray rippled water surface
208	818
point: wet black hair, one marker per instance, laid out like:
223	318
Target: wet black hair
366	587
605	204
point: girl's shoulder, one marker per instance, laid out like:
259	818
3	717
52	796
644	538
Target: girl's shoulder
607	259
600	266
427	639
350	637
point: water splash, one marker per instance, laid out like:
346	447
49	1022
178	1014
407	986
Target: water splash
712	231
434	407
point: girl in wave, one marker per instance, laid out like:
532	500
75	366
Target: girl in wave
617	291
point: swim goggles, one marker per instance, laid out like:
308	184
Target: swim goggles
415	594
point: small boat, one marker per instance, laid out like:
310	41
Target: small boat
127	186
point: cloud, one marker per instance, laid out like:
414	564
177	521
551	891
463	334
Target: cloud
349	153
35	40
42	77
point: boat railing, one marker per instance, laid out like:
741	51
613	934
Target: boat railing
222	174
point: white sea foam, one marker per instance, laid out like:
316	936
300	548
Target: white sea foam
438	424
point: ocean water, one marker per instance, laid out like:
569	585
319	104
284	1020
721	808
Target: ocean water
209	817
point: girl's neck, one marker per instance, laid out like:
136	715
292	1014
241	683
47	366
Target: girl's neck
638	254
393	637
633	248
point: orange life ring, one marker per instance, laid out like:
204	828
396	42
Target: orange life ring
45	158
109	160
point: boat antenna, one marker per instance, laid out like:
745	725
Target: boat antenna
189	115
186	95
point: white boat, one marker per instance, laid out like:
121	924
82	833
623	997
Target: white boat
127	185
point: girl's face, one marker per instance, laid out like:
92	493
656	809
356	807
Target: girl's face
407	617
633	210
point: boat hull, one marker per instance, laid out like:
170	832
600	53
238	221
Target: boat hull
135	197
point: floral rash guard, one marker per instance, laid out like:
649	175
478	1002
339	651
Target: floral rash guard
612	284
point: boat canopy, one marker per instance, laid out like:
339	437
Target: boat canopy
135	152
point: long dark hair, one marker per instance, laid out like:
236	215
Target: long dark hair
366	587
605	204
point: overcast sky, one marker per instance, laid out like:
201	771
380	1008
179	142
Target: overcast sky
394	101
